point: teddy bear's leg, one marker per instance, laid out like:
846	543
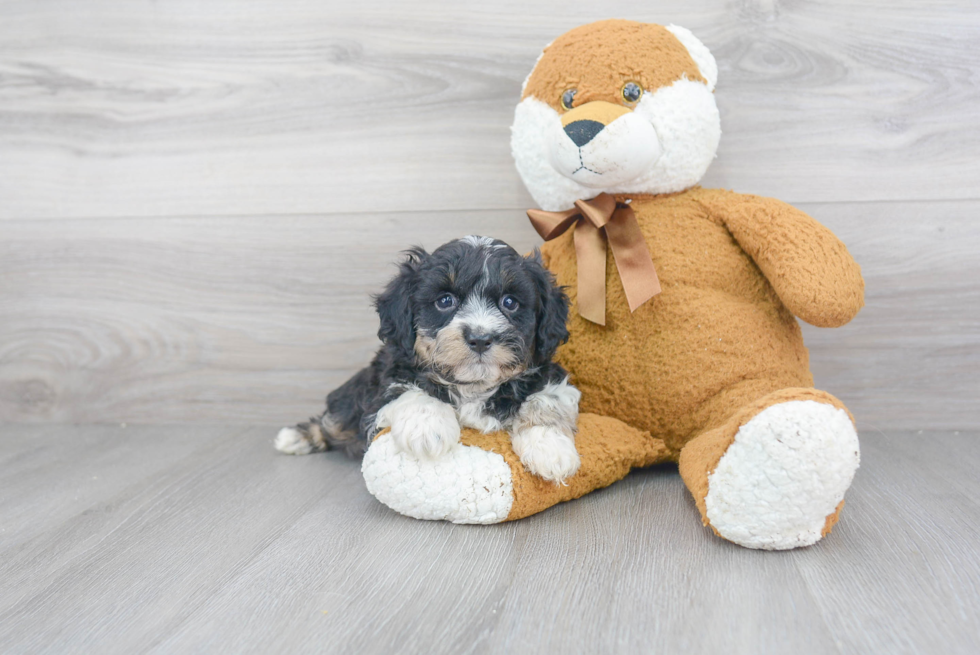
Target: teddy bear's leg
483	481
773	476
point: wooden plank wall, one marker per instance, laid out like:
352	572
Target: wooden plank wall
197	198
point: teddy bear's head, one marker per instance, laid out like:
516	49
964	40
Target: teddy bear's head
620	107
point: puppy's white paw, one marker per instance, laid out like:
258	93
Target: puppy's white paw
293	442
430	432
547	452
420	424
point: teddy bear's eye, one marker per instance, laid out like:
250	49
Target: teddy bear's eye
632	92
567	98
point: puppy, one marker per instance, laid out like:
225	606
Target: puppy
468	334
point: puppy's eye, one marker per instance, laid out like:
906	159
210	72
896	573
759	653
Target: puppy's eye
509	303
632	92
445	302
567	98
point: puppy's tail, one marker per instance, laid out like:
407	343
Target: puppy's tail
318	435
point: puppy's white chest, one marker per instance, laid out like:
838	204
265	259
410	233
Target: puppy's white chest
471	415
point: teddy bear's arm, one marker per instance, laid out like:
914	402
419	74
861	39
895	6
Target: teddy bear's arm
808	266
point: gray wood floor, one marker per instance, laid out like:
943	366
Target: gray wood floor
180	540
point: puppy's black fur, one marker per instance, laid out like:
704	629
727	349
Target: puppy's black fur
478	273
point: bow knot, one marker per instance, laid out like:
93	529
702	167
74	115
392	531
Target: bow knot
597	221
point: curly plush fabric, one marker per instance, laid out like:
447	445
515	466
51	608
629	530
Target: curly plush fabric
711	372
598	59
483	480
721	333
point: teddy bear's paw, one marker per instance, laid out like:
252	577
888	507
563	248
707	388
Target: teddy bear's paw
420	424
467	485
547	452
783	476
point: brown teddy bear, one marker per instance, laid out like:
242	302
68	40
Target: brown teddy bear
683	342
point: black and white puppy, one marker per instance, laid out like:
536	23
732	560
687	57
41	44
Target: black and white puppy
468	335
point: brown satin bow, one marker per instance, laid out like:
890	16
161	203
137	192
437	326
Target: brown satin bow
605	220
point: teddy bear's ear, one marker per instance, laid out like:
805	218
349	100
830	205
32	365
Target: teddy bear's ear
536	62
699	53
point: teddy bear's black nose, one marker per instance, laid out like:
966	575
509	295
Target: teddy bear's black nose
581	132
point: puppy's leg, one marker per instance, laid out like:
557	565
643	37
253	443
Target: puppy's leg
420	424
337	428
543	432
317	435
302	439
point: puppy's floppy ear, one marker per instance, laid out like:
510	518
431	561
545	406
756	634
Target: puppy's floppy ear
552	311
394	304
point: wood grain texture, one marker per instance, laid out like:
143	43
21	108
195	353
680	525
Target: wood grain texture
182	108
257	318
189	320
910	357
192	539
196	199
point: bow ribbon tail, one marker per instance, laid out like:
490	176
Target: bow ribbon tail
551	225
590	255
636	270
596	221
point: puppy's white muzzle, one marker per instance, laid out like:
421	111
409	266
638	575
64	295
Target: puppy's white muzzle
620	152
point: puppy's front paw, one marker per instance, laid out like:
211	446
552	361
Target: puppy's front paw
423	426
547	452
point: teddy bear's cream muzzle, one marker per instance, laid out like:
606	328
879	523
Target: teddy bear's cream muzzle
600	144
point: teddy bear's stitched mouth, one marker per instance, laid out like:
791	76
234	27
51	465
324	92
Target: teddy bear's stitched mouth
613	156
582	166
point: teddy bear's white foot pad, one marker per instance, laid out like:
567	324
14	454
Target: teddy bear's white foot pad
784	474
466	485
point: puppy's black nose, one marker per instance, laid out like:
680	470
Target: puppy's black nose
581	132
479	343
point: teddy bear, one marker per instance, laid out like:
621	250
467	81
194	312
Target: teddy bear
684	342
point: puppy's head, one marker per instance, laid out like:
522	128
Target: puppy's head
474	311
616	106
